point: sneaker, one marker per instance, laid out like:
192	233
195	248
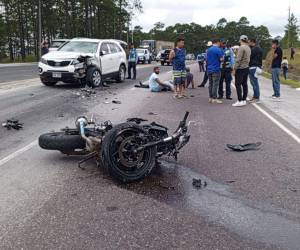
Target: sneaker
228	98
201	86
210	100
217	101
239	104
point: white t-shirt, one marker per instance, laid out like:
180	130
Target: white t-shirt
153	81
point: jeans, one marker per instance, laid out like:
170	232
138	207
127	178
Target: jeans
254	83
285	71
225	75
241	83
131	66
276	81
214	81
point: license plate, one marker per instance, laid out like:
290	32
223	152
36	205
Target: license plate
56	75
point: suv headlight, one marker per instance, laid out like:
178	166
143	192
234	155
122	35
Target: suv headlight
74	62
79	66
44	61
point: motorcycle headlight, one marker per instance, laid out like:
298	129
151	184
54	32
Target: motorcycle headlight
44	61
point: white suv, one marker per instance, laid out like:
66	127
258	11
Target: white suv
144	55
107	57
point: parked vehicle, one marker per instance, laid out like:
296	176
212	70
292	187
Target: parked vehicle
127	151
106	60
144	56
55	44
164	57
190	57
155	46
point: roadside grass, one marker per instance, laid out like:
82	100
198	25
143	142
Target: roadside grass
290	82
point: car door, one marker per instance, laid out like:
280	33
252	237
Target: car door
115	54
106	59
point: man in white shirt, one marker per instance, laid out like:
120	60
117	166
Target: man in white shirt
156	85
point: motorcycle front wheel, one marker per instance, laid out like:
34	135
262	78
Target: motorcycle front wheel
119	158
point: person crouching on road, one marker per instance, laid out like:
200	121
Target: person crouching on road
255	65
214	58
241	72
156	85
226	69
189	78
177	57
132	61
285	67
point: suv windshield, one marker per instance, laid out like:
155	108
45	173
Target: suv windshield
56	44
140	51
78	46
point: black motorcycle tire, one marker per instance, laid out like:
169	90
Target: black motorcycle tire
112	166
61	141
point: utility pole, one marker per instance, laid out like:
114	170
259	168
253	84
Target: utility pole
289	26
40	30
132	32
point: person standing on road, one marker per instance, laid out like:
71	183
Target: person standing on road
276	68
201	61
285	67
226	69
177	57
254	67
205	78
45	48
132	61
241	72
214	58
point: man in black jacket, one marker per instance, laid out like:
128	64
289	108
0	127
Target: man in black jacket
254	67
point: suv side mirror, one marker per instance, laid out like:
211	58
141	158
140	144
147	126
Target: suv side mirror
103	53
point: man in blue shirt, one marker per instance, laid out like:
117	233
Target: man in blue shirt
214	58
132	61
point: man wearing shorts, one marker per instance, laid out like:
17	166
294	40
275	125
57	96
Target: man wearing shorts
177	57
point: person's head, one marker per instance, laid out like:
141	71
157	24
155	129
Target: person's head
179	42
132	46
223	43
228	45
45	44
216	42
187	69
284	58
252	42
275	44
209	44
243	39
156	70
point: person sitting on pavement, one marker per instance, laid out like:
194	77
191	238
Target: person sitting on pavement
255	65
157	85
226	69
189	78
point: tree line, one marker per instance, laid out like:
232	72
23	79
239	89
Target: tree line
111	19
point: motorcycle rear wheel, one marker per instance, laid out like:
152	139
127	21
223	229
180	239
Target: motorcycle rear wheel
118	158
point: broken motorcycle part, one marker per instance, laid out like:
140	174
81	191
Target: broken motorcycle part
128	151
12	124
244	147
198	183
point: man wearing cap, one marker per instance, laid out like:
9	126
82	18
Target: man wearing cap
214	58
241	72
205	79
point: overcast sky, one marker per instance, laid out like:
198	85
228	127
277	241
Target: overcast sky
271	13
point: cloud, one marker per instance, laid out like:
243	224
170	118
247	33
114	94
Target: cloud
268	12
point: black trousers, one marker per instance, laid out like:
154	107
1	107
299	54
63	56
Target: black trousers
132	66
225	76
201	66
205	79
241	83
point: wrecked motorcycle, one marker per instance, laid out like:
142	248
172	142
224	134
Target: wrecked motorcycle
127	151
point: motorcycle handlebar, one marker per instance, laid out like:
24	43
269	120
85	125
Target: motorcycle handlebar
186	116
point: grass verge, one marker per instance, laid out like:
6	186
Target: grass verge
290	82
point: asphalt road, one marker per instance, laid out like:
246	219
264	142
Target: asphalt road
252	200
18	72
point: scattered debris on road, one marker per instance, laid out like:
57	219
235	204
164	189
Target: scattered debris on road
244	147
12	124
166	186
116	102
152	113
293	190
230	181
87	92
198	183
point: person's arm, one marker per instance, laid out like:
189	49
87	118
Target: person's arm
159	81
239	58
172	55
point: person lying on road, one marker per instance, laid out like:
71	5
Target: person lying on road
156	85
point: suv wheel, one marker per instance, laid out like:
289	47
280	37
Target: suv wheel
94	77
47	83
122	74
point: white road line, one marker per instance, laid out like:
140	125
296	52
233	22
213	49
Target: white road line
279	124
17	153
